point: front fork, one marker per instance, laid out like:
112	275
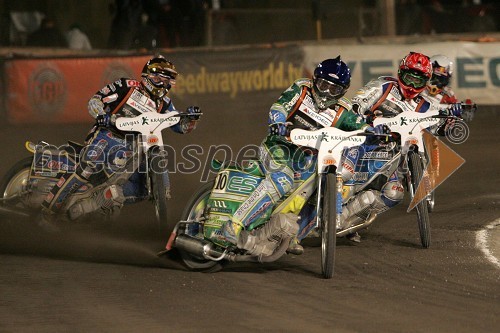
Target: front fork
339	184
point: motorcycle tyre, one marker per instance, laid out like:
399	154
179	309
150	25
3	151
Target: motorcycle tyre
328	226
159	192
190	261
431	202
17	169
424	224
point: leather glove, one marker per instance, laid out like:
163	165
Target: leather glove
279	129
195	112
468	110
103	120
379	129
456	109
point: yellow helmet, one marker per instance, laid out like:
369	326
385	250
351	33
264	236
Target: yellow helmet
158	76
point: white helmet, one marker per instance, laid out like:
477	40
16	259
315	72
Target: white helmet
442	70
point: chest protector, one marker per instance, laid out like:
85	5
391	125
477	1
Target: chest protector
306	115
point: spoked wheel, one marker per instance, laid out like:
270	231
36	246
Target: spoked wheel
158	167
328	226
431	202
13	183
424	224
194	210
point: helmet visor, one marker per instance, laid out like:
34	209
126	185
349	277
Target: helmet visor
413	79
440	81
329	88
161	80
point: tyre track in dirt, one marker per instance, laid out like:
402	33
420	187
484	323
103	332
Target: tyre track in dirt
109	279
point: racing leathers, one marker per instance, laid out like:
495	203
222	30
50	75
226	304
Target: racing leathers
108	150
378	98
295	108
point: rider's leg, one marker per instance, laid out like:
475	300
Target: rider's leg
276	162
265	240
368	204
100	154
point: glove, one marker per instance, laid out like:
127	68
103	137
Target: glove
195	112
379	129
468	110
456	109
279	129
103	120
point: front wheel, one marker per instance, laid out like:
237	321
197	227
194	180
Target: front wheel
193	211
158	173
328	225
424	224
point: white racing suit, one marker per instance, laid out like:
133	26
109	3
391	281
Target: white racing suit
378	98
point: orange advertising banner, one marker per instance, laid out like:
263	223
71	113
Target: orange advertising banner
57	90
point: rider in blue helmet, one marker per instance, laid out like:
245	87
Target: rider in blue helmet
331	80
308	104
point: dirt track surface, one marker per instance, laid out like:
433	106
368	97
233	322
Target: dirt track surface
109	279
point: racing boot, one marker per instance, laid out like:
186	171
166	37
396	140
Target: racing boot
295	247
46	220
231	231
265	240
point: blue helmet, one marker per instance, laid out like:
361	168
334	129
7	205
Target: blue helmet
331	79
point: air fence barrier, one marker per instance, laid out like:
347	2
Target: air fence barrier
245	79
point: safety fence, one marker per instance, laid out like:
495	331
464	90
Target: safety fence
56	89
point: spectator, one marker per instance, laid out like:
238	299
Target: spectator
48	35
409	17
77	39
126	23
169	22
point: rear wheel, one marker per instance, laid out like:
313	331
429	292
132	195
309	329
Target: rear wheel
328	226
13	183
193	211
424	224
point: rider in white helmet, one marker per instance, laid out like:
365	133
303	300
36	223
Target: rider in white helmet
438	88
439	93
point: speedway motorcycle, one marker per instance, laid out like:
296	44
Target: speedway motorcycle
411	155
28	182
198	236
199	239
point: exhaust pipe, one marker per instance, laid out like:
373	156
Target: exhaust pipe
355	228
198	247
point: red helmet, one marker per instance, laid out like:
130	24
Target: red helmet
414	71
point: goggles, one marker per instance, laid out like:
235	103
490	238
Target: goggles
159	79
440	81
415	80
325	86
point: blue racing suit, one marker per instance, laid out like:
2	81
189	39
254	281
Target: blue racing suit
106	148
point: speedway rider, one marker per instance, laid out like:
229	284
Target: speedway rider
387	97
439	92
308	104
105	144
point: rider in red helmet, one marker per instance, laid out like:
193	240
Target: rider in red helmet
415	70
387	96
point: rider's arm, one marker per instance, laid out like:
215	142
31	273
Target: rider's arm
288	99
367	97
285	106
185	124
110	98
346	119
